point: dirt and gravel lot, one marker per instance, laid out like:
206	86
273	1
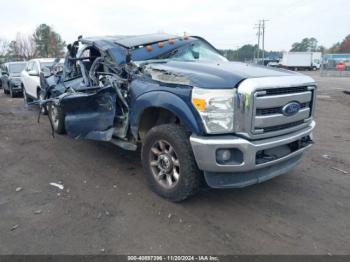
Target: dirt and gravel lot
106	207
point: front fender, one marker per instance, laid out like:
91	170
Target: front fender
165	100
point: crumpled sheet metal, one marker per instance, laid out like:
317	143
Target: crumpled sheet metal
168	77
90	116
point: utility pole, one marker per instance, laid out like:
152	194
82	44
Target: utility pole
263	39
257	52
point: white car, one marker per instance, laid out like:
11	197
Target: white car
30	78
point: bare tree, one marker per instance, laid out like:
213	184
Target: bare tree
4	46
26	46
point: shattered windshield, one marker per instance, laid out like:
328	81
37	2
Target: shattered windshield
196	51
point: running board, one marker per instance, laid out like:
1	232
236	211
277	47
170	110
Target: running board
124	144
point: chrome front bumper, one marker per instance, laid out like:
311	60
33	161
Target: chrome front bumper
205	148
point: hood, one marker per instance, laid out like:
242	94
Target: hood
220	75
15	79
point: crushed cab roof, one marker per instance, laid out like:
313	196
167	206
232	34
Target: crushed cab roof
128	41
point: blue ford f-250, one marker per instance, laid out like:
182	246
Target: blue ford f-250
194	114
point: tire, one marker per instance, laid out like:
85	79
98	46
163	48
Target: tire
57	118
6	92
41	97
188	178
26	98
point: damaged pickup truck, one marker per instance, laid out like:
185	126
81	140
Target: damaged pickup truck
196	116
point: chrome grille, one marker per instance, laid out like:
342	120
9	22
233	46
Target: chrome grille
287	90
275	110
268	104
281	127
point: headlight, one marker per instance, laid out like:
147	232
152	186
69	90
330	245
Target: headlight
216	108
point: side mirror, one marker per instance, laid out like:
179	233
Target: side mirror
3	73
33	73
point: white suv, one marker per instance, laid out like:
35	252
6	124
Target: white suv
30	78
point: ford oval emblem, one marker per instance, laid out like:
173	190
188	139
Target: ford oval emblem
291	109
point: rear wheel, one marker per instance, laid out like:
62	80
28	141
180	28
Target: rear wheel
6	91
41	97
57	118
168	162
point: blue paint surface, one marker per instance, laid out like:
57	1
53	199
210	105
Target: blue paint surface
90	116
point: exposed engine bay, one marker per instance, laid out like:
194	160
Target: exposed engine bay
95	98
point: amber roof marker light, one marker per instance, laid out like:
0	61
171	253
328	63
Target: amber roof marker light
160	44
149	48
171	41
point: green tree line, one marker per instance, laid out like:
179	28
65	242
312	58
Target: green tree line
249	52
311	44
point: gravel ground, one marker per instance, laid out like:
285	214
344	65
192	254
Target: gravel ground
106	207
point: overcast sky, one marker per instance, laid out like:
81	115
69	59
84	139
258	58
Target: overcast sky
226	24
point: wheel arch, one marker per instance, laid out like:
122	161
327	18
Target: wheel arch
160	107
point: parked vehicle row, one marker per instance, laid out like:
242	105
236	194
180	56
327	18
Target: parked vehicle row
19	78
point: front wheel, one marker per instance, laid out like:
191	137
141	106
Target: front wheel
168	162
57	118
26	98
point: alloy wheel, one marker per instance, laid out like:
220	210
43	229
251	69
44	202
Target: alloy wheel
165	165
54	116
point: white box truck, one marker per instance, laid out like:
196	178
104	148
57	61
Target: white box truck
301	60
